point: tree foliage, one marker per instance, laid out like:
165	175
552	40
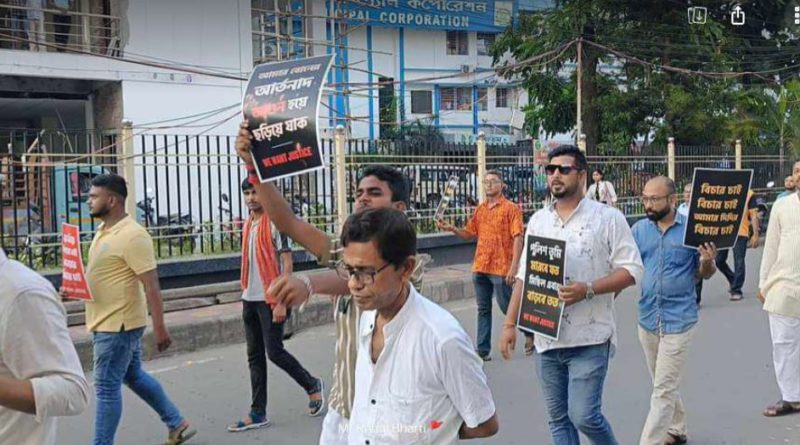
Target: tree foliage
648	73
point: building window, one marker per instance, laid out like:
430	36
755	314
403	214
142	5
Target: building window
485	40
502	98
421	102
456	99
279	30
387	107
483	99
457	43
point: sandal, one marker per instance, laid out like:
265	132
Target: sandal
675	439
180	435
782	408
315	407
529	346
249	422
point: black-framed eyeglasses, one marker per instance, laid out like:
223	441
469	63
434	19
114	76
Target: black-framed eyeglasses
653	199
550	169
364	276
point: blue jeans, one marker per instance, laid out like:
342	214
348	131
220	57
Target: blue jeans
735	277
485	286
117	360
572	384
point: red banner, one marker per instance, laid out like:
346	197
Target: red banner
73	279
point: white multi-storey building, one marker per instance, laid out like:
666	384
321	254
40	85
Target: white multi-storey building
402	62
399	62
72	70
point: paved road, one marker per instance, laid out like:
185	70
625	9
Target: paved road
728	382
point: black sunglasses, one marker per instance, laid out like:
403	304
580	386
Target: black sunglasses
550	169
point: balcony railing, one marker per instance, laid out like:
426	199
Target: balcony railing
56	30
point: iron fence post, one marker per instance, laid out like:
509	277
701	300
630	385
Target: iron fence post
127	166
738	146
582	142
481	155
671	158
341	177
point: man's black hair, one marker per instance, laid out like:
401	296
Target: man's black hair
569	150
496	173
397	181
389	228
111	182
246	185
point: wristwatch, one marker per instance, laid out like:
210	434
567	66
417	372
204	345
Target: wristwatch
589	291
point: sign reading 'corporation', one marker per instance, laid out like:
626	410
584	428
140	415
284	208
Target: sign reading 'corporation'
462	15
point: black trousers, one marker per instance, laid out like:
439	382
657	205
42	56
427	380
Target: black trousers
698	289
265	339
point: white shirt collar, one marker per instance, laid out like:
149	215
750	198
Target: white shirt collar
396	323
577	210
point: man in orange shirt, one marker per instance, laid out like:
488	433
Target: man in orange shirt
746	238
497	224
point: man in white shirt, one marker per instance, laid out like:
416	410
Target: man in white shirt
40	374
418	378
779	291
601	260
683	209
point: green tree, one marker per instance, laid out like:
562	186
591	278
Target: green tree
770	117
646	70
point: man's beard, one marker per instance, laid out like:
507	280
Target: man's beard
565	192
100	213
657	216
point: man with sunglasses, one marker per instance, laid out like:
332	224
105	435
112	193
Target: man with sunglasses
667	307
601	261
379	187
497	225
417	377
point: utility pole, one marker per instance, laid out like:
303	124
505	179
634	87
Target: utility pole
579	125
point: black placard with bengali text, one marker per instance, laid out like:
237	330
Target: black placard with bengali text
281	103
718	202
541	309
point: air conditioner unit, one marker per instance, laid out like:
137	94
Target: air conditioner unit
466	68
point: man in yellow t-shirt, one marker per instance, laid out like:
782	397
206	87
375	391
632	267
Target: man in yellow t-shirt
745	239
123	279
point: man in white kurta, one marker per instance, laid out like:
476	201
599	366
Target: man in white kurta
418	378
427	382
779	289
41	378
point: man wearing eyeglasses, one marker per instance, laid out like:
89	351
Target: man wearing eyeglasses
379	187
497	225
667	307
601	261
417	380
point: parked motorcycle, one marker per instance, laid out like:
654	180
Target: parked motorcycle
230	227
176	229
